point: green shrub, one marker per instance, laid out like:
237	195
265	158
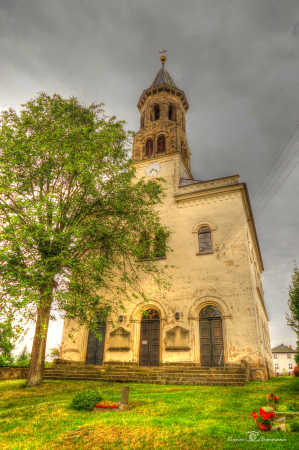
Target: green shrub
86	399
293	406
23	360
295	426
6	360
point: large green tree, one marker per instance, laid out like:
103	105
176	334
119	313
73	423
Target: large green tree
71	215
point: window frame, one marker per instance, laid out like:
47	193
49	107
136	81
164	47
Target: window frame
156	111
172	112
152	152
161	136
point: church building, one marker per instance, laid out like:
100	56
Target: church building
213	314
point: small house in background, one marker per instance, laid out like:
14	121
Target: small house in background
283	359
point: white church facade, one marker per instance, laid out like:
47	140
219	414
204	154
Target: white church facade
213	314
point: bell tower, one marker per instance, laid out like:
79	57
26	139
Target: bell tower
162	109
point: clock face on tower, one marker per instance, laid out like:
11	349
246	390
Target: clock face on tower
153	169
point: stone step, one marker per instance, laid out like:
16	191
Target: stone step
147	369
192	374
158	379
136	367
183	381
147	375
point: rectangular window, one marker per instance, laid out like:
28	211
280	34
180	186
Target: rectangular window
160	244
289	355
276	366
290	366
144	246
275	355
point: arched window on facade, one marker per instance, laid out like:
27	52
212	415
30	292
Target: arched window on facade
142	121
156	112
149	148
171	112
205	241
161	144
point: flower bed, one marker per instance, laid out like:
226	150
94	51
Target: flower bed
107	405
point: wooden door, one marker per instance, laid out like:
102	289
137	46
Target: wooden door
217	342
95	346
205	342
150	339
211	337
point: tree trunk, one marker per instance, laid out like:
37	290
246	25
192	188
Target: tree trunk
35	374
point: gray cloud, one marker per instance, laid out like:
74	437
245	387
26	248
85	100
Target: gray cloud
237	60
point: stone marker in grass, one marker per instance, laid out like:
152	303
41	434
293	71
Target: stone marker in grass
124	403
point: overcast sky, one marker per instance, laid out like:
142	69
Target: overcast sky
236	60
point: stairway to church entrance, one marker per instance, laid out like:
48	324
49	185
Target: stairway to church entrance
211	337
150	339
192	374
95	346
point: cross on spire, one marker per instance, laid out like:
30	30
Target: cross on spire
163	56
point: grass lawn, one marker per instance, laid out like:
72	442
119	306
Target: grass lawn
162	417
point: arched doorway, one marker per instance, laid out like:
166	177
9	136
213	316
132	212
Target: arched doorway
150	338
211	337
95	346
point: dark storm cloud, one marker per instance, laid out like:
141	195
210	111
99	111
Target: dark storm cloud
237	60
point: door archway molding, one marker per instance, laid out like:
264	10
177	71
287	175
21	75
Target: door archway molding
135	320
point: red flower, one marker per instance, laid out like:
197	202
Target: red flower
271	395
262	412
254	415
275	399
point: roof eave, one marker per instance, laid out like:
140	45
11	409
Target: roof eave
163	87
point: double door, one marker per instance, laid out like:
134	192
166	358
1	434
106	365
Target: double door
211	342
150	340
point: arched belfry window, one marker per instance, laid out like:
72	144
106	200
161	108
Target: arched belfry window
171	112
142	121
161	144
149	148
156	112
205	241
